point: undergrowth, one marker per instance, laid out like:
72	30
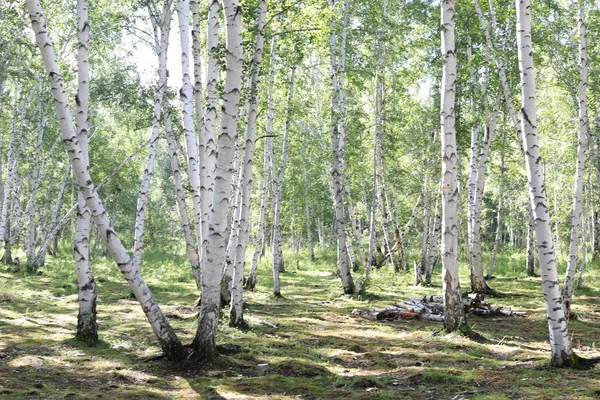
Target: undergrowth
319	350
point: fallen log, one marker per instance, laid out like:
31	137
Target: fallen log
431	307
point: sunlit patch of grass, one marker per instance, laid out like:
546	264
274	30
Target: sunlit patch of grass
319	350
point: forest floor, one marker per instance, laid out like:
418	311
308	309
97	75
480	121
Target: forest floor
319	350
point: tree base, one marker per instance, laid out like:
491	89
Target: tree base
577	362
88	339
488	291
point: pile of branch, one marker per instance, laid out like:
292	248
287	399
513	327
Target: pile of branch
432	308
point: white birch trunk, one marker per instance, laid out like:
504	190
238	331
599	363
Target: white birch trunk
582	141
165	28
381	195
337	144
309	237
355	228
208	141
168	340
55	224
584	231
197	56
530	264
473	164
362	289
191	246
12	161
214	245
454	317
435	238
237	303
562	353
499	222
478	279
33	207
419	268
87	328
278	261
259	242
191	144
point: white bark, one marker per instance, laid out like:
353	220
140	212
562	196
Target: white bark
33	207
12	161
498	236
435	238
214	244
87	327
208	141
362	289
161	52
169	341
267	161
309	236
584	231
582	141
354	226
278	262
197	55
381	193
186	93
478	283
454	317
474	160
562	353
237	303
55	224
337	144
191	246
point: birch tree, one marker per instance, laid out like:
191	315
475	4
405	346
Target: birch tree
562	353
337	145
245	181
162	45
278	180
169	342
214	243
87	328
582	141
454	317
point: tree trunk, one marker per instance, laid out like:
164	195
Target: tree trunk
337	145
259	241
33	207
237	304
278	262
478	284
454	316
87	327
208	141
582	141
309	237
213	254
530	246
562	353
161	52
362	289
498	236
190	242
583	254
435	236
168	340
194	167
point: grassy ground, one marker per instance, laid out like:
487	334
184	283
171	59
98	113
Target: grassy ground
319	350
